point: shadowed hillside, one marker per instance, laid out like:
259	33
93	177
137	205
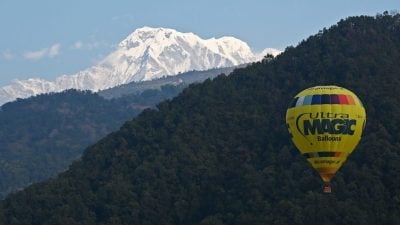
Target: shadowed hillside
183	79
41	136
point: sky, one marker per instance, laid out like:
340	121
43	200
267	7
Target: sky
49	38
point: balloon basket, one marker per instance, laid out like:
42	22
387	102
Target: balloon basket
327	188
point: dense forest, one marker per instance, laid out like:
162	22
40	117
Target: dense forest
220	153
42	135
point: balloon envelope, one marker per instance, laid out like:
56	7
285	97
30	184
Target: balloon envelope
326	124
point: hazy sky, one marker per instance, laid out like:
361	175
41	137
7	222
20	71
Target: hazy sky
47	38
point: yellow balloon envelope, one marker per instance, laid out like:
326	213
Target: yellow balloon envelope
326	124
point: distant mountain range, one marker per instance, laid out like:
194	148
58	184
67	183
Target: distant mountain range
146	54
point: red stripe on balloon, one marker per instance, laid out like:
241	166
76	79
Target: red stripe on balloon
343	100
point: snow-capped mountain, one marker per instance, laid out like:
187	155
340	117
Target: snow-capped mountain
146	54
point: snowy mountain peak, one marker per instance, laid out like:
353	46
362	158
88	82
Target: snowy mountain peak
147	35
147	53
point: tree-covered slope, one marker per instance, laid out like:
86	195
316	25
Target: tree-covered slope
41	136
220	153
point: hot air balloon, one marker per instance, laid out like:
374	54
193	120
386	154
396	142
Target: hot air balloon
326	124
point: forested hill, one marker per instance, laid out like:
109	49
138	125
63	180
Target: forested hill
41	136
220	153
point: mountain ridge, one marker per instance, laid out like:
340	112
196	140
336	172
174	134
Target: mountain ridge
147	53
185	78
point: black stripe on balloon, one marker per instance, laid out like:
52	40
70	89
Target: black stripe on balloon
321	154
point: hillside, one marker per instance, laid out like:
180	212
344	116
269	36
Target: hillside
41	136
183	79
220	153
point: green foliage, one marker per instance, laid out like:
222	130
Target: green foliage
220	153
41	136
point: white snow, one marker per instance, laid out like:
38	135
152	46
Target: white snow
146	54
